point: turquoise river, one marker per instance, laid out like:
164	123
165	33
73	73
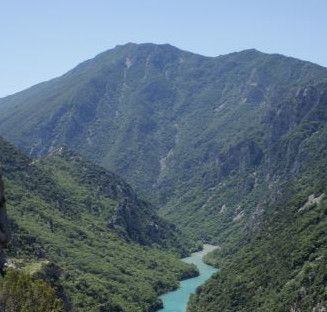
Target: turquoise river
176	301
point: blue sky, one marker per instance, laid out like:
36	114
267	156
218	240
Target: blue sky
43	39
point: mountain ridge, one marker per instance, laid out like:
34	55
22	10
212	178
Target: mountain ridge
132	44
138	106
223	146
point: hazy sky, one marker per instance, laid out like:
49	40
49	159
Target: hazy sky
42	39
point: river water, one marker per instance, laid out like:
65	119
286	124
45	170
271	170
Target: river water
176	301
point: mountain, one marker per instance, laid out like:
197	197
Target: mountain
84	230
178	126
230	148
282	265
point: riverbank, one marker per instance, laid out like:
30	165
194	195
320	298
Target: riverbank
206	249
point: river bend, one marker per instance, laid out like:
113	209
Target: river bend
176	301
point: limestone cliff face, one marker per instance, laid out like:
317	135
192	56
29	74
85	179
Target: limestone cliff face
4	224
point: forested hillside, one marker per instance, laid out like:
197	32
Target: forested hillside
282	265
202	137
232	149
85	231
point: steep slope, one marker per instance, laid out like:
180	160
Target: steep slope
283	266
276	261
5	234
199	135
106	108
132	218
230	147
90	225
18	291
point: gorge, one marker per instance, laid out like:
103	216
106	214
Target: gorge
228	150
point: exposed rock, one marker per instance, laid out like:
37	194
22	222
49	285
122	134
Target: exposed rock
312	200
153	230
239	216
223	208
163	162
242	156
139	227
124	217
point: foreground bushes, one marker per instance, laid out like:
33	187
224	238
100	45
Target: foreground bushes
20	293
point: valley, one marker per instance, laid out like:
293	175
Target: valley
85	232
228	150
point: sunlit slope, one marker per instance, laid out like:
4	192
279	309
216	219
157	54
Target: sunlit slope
92	226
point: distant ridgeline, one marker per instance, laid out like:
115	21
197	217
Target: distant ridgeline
232	149
86	234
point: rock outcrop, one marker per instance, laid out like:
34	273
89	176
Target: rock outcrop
138	227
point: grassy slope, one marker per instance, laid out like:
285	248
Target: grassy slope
58	218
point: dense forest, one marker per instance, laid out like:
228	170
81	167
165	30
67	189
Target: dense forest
83	232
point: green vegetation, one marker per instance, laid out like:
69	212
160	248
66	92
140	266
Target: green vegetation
229	148
186	131
283	266
20	293
62	210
